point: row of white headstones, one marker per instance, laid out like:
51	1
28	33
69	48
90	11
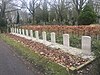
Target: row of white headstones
85	42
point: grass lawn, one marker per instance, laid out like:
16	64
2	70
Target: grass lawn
42	64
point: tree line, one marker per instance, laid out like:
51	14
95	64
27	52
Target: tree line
62	12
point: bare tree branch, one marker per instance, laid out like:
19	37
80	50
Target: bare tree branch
15	5
12	10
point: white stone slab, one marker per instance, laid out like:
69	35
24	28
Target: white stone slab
66	40
27	33
11	30
15	30
37	35
86	43
44	36
53	38
31	33
20	31
23	31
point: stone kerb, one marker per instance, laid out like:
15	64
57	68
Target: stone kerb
86	43
66	40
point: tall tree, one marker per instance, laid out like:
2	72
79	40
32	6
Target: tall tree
87	16
4	10
60	8
31	7
38	15
79	5
17	20
45	11
95	4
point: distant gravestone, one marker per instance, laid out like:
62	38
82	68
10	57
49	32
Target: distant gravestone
86	43
26	32
53	39
44	36
19	31
15	30
37	35
23	32
66	40
10	30
31	33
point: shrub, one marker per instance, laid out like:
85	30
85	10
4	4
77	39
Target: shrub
96	47
3	25
87	16
75	41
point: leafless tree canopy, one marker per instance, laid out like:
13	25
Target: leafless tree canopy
45	11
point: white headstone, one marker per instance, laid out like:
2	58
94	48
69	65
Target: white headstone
14	30
44	36
11	30
27	33
66	40
53	39
23	32
31	33
19	31
86	43
37	35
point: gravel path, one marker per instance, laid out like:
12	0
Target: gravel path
10	64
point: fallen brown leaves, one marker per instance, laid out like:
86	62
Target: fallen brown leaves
55	55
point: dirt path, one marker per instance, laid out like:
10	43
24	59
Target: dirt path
11	64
